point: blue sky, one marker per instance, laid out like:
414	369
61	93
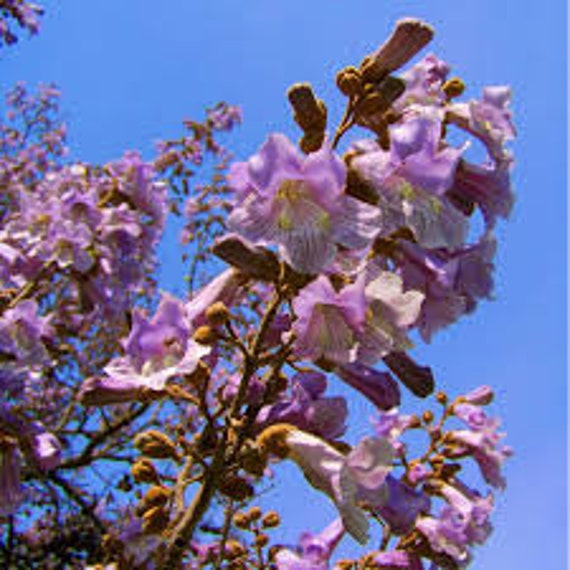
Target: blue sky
131	70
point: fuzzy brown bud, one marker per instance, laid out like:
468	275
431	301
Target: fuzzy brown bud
144	471
261	540
453	87
310	113
253	461
241	521
349	81
274	440
311	141
154	520
271	520
156	445
205	335
236	487
156	496
408	38
441	397
427	416
217	314
254	513
233	549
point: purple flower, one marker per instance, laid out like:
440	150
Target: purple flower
483	446
307	408
379	387
407	195
488	187
45	447
397	559
156	351
464	521
327	321
424	81
346	479
299	203
418	157
391	312
452	281
491	119
313	552
225	288
403	506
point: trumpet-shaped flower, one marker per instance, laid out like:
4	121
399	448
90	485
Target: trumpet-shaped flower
156	350
327	321
346	479
299	204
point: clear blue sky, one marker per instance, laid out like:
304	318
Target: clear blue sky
131	70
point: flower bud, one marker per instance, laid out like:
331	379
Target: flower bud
481	396
156	445
427	416
409	37
233	549
441	397
254	513
270	520
310	113
273	439
253	461
205	335
349	81
261	540
241	521
156	496
453	87
311	141
217	314
144	471
236	487
154	520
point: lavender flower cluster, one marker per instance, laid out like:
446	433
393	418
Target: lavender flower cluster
337	262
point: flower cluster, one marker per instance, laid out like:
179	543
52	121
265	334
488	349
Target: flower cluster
25	14
338	262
